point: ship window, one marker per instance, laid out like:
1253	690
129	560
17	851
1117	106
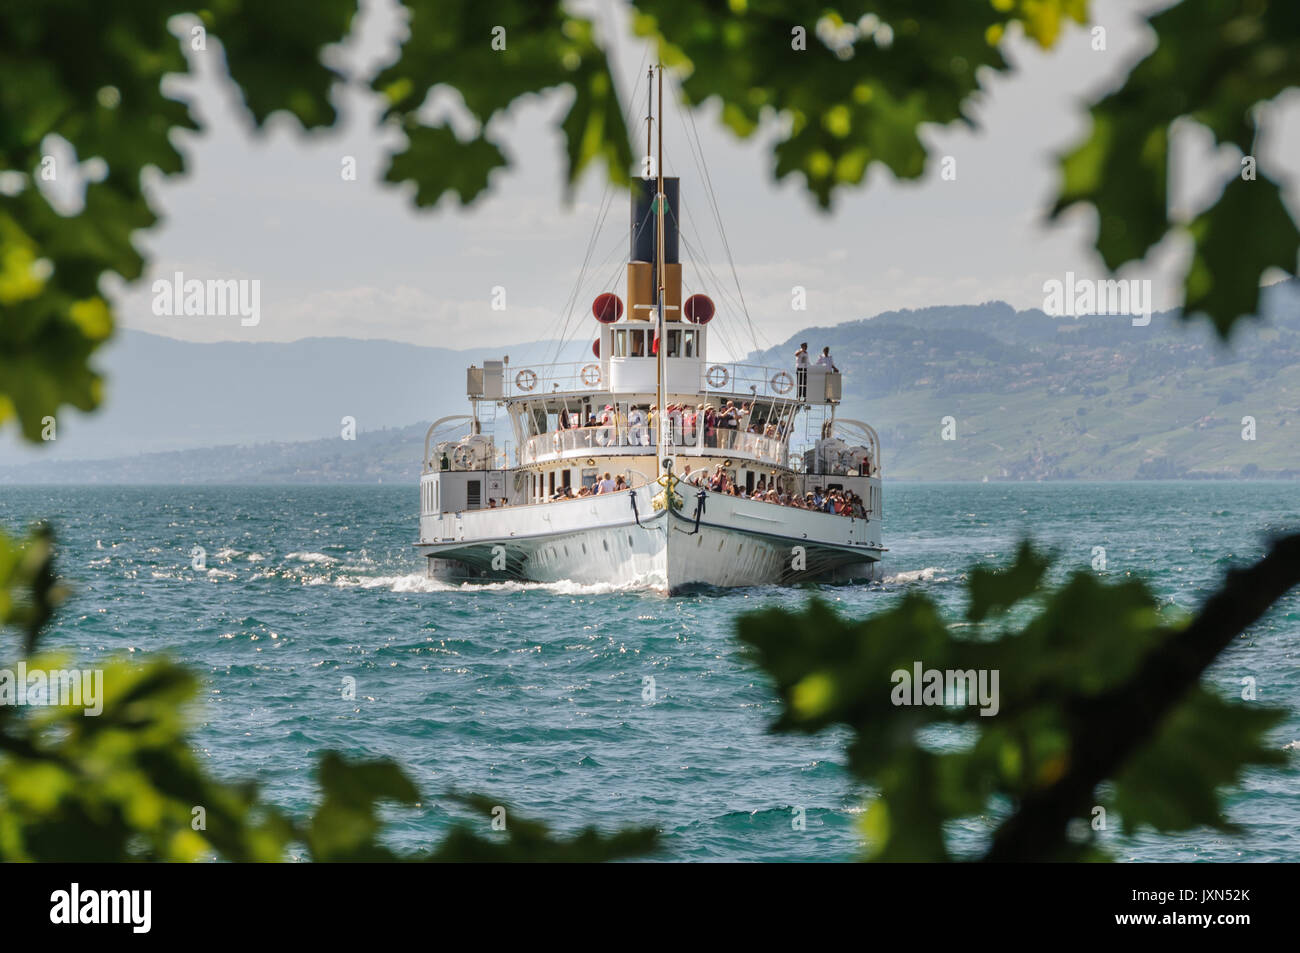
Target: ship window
638	343
620	343
689	343
674	343
589	477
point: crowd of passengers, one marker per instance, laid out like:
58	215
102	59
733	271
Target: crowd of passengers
687	422
838	502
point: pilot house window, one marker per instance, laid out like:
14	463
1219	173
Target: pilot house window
683	343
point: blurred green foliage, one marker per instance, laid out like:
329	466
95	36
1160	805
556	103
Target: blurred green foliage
854	87
1069	650
867	76
1215	64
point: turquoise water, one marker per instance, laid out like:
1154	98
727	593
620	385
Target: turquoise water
533	694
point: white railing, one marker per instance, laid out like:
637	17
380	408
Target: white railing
749	380
745	380
539	380
752	445
638	438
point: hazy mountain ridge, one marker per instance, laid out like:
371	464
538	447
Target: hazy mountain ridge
163	394
1039	397
1031	397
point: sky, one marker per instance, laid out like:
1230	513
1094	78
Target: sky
356	259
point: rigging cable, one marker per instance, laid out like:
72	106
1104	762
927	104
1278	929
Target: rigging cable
698	148
605	205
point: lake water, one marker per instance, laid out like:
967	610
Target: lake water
533	694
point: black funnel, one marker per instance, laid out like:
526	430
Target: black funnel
644	219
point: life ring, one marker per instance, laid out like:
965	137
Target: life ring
591	375
526	379
717	376
782	382
463	456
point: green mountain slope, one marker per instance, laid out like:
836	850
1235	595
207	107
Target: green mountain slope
1035	397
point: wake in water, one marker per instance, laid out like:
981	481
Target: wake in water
419	582
928	574
354	570
319	559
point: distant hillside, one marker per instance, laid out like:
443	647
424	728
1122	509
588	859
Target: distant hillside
1036	397
381	456
163	394
1033	397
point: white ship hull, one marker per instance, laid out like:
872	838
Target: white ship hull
734	542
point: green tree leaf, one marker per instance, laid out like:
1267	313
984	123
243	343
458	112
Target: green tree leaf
1245	232
438	162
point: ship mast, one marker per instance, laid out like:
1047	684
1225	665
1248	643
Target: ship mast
661	201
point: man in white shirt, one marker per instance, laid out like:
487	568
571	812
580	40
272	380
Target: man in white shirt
826	362
636	428
801	369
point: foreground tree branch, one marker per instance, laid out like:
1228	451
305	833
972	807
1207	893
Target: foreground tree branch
1107	729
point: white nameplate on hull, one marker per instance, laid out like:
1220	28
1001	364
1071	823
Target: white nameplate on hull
765	519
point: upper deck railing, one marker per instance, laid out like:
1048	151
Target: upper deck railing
745	380
640	439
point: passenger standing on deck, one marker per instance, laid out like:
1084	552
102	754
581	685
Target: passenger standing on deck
826	362
801	369
729	418
637	435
